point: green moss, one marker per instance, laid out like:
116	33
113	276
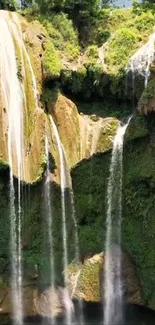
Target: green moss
51	61
148	93
137	128
3	163
43	162
50	95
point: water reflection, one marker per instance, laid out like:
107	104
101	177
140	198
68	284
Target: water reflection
134	315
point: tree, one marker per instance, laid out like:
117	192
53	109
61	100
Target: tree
8	4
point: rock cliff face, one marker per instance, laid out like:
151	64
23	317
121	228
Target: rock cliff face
138	201
29	51
87	140
81	135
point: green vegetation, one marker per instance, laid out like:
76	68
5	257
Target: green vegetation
87	48
119	48
63	36
86	69
51	62
8	4
148	93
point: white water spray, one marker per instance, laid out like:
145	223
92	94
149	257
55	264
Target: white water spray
139	63
113	293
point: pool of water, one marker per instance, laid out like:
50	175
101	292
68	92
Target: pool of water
93	315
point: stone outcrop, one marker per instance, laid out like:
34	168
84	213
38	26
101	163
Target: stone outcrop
81	135
146	104
49	303
85	281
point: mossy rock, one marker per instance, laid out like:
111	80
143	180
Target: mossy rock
137	128
89	278
147	101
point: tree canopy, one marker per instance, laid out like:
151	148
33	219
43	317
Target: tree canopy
8	4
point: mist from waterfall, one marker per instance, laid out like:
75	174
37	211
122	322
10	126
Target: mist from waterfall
14	101
113	291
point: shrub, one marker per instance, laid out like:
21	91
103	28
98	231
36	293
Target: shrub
65	27
51	61
92	51
121	47
145	21
103	36
78	78
72	51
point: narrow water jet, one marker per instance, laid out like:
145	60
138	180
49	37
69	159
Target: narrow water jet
65	181
48	214
63	184
112	286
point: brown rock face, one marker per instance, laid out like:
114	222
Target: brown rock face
20	93
50	303
53	302
86	281
81	135
28	301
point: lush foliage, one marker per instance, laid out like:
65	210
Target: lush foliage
8	4
119	47
51	62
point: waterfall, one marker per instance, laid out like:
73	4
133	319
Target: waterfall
113	309
140	62
13	99
16	103
48	214
65	181
63	184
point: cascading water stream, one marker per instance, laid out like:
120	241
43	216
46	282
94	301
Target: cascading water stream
49	219
63	184
17	32
15	102
139	63
65	180
113	291
13	99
